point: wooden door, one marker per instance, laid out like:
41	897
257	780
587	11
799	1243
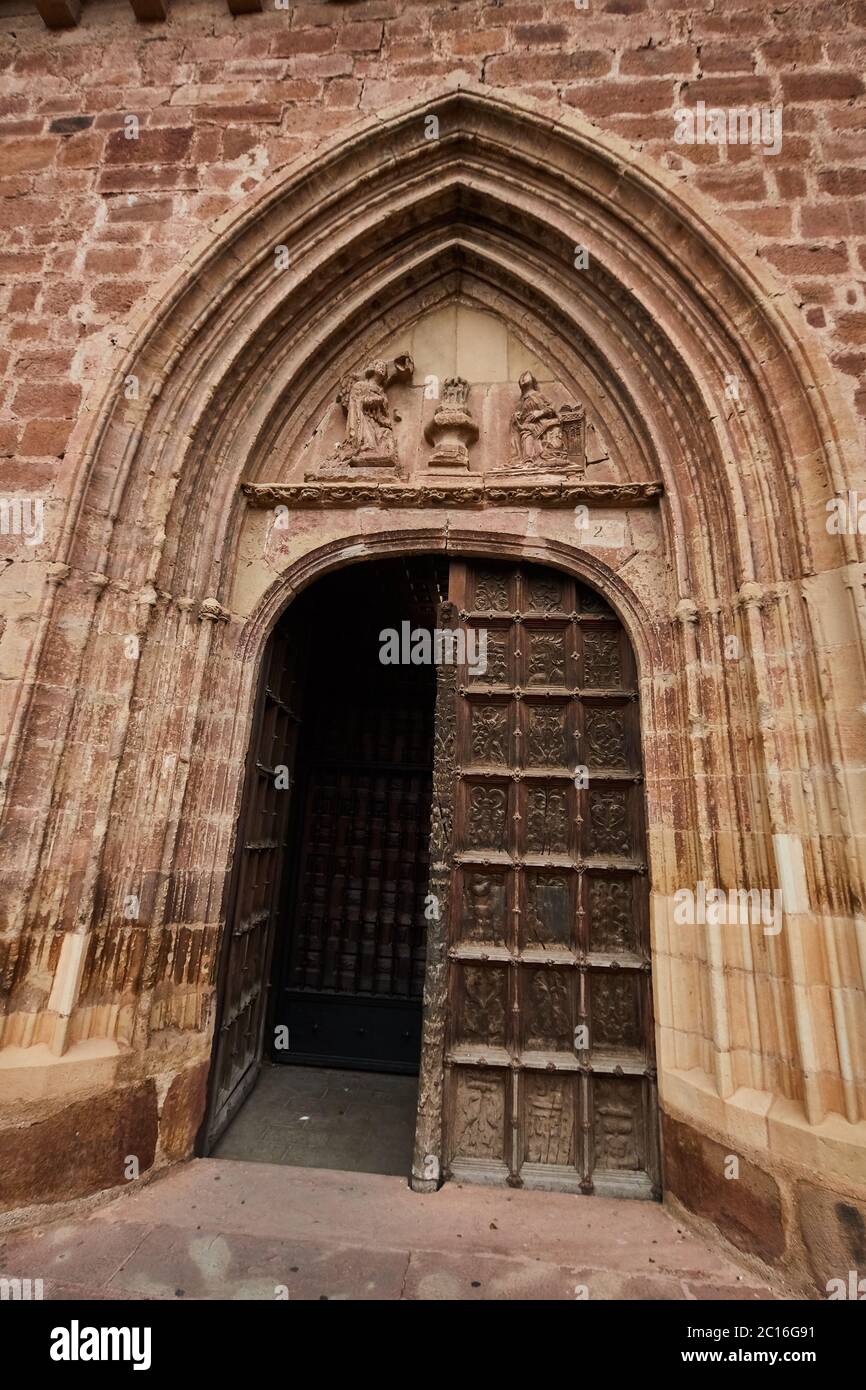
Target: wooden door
549	1066
248	940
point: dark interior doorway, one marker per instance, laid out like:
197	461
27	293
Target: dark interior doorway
324	953
349	967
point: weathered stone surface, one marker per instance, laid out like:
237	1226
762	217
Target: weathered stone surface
747	1209
714	330
833	1228
80	1148
182	1112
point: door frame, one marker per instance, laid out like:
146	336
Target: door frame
469	544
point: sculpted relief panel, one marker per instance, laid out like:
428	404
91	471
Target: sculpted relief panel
456	394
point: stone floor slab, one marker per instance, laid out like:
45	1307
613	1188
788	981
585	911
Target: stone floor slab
218	1229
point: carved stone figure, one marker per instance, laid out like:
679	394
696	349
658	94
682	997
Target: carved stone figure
369	440
452	429
542	436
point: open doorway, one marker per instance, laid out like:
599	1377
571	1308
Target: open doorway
537	1062
320	1069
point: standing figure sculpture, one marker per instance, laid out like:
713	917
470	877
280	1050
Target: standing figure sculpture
369	426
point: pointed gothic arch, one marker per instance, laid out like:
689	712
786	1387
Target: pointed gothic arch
748	779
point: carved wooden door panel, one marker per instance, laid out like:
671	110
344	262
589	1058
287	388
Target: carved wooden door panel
262	838
549	1065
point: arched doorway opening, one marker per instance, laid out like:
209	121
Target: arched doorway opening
444	794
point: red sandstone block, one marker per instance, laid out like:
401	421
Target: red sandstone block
29	212
320	40
167	146
255	70
484	41
791	183
111	261
261	114
19	154
851	327
343	91
18	187
717	57
612	98
821	86
746	187
407	27
658	62
453	20
284	149
141	210
32	126
834	219
791	52
727	91
237	142
360	38
547	67
842	183
9	477
135	178
116	296
542	35
810	259
512	13
207	145
315	14
769	221
23	298
41	365
322	65
44	438
650	128
36	400
398	53
851	363
82	152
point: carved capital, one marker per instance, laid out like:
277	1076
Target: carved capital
213	612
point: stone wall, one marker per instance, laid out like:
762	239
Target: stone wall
152	361
91	219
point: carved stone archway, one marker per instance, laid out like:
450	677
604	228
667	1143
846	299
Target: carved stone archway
122	773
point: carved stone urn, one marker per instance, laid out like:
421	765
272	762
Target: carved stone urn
452	430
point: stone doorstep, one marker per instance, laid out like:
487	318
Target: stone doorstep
216	1229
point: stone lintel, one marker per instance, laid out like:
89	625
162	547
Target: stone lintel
545	491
